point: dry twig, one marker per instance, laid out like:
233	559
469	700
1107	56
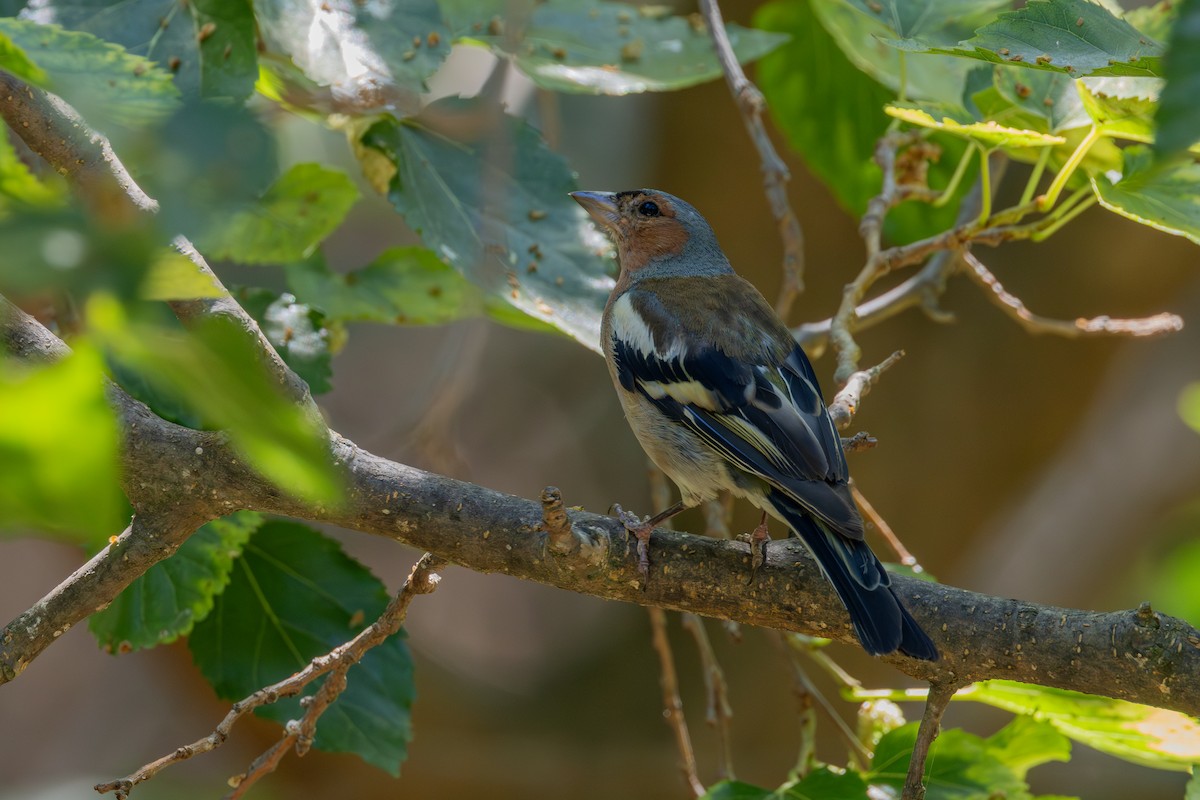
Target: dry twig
1012	305
672	703
775	173
845	402
718	712
906	558
338	661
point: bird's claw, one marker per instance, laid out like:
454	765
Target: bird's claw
641	531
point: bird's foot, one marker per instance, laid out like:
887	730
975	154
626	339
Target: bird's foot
757	539
641	528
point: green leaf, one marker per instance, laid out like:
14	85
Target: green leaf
59	447
214	371
296	330
404	286
208	44
1155	20
100	79
1123	108
1178	116
19	184
987	134
372	55
1026	743
1172	584
829	110
14	60
1077	37
294	215
822	783
494	218
174	276
1051	96
861	32
1192	792
295	595
960	766
1145	735
173	595
608	48
736	790
1163	197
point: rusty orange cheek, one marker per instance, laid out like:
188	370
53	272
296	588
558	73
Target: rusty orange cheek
662	237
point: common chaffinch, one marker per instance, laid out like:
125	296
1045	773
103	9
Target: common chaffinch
721	397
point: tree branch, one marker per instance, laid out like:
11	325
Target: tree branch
751	103
1145	658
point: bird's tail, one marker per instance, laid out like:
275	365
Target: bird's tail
880	620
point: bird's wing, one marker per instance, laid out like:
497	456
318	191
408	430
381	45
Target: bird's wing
766	419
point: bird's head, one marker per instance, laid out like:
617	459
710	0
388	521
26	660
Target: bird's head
656	234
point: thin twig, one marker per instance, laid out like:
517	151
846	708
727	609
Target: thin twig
845	403
906	558
718	713
421	580
672	703
660	496
1012	305
859	442
751	103
939	697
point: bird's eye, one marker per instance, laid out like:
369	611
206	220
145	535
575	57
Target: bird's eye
648	209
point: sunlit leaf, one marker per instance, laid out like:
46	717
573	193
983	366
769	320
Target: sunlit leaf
207	44
59	448
1051	96
372	55
14	60
296	330
102	79
173	595
988	134
1163	197
1178	116
18	183
606	48
1027	742
1122	107
1077	37
1142	734
404	286
506	224
215	371
295	595
1154	20
174	276
960	766
293	216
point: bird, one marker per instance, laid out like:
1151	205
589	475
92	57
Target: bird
721	397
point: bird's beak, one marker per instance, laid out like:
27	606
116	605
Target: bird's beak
600	206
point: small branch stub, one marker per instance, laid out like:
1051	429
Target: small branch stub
845	402
555	522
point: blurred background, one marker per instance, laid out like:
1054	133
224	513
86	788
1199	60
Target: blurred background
1051	470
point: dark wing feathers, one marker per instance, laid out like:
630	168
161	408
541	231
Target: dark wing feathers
767	419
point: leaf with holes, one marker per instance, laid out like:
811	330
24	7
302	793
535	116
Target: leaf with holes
1077	37
506	224
102	80
988	134
606	48
294	215
208	44
372	55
